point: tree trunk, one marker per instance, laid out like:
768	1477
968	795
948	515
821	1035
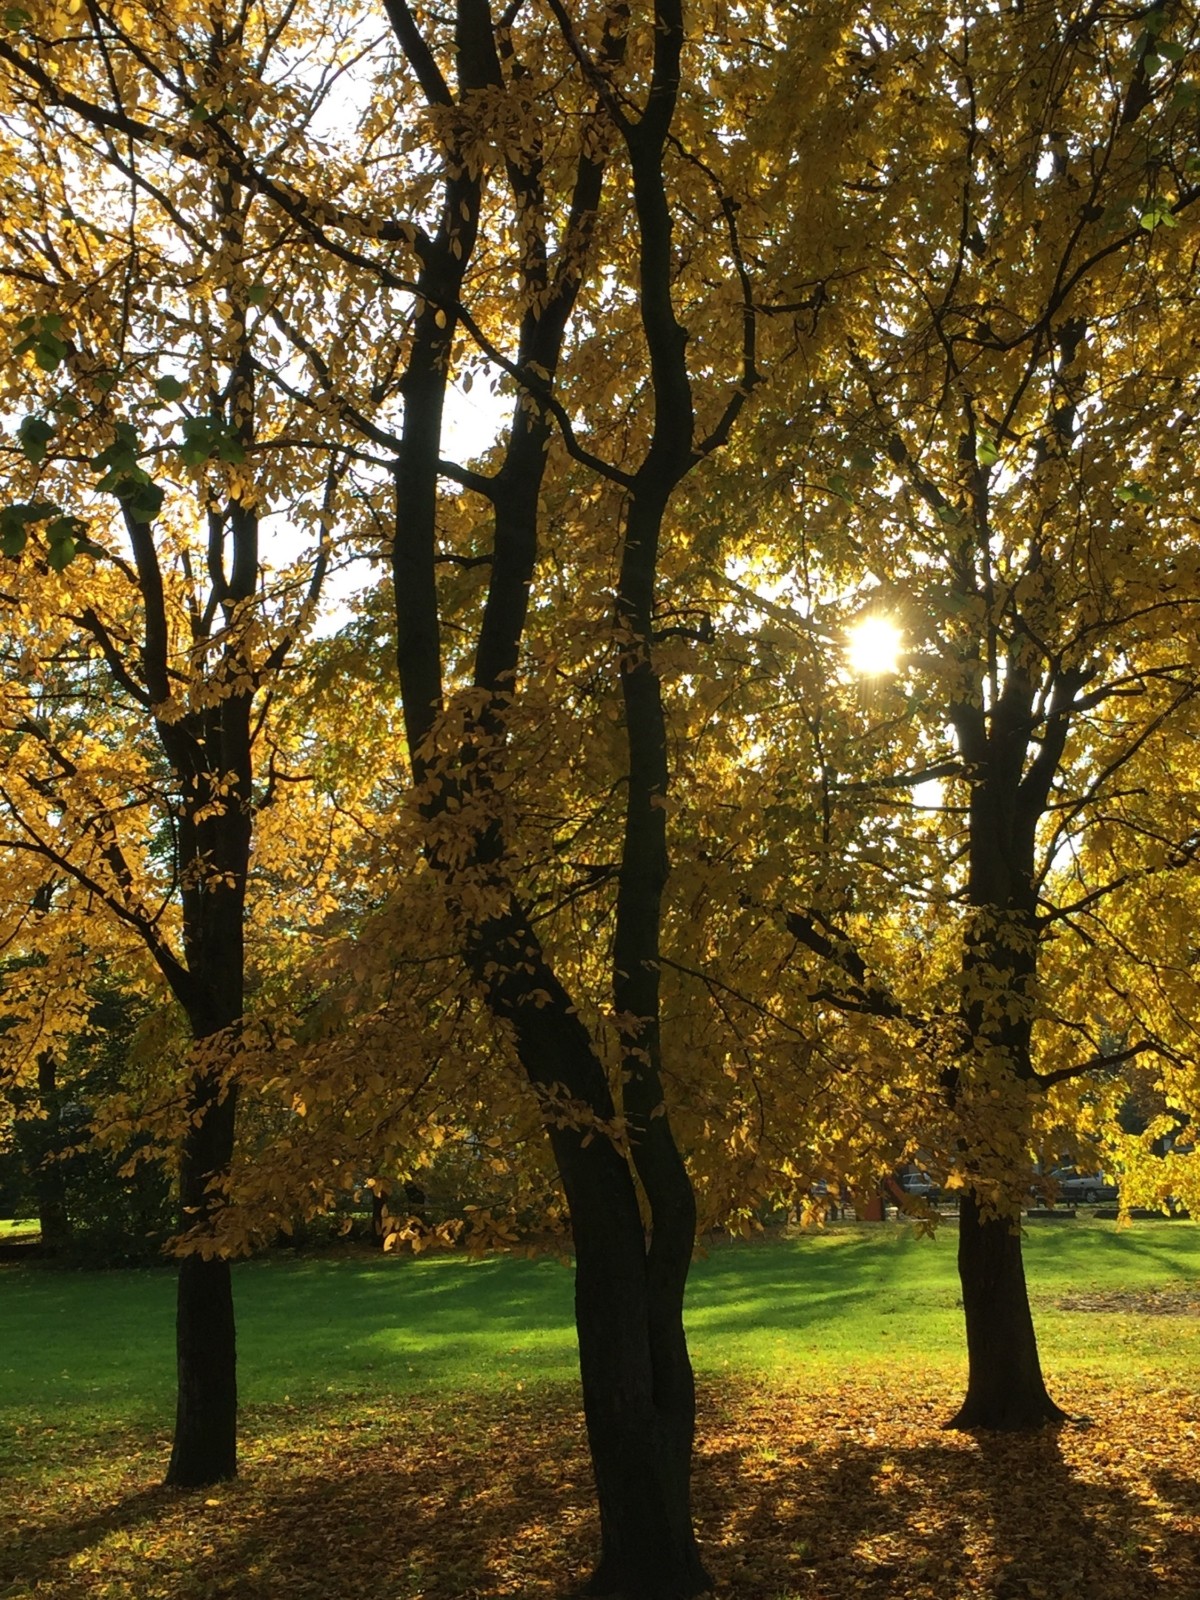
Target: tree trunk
637	1380
205	1446
638	1391
640	1422
1005	1389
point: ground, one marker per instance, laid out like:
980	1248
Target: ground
822	1470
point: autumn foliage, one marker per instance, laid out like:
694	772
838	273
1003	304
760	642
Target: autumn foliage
499	819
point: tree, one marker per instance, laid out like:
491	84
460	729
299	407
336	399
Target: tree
997	439
149	636
620	226
101	1190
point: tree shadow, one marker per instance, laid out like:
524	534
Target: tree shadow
849	1492
910	1511
434	1512
32	1548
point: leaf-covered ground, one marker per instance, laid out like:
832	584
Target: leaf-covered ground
850	1491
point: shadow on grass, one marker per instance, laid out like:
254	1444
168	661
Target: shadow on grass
850	1493
481	1501
901	1510
36	1550
1143	1248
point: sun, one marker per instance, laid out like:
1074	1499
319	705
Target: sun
873	647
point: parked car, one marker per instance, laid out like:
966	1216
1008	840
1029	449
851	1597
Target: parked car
920	1185
1086	1188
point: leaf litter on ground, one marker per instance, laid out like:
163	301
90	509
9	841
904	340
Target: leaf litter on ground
851	1490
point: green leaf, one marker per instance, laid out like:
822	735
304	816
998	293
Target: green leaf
256	295
61	555
839	486
140	496
28	511
118	462
231	449
43	340
1170	50
15	521
1158	214
1135	493
986	452
66	527
204	438
15	18
198	441
169	388
49	356
35	433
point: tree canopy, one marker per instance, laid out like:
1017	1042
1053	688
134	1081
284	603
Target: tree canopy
452	793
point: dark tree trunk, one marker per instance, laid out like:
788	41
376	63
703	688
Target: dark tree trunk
204	1449
640	1421
50	1177
639	1399
638	1394
1005	1389
205	1444
637	1380
1009	794
215	834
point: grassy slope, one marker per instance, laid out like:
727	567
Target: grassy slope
94	1349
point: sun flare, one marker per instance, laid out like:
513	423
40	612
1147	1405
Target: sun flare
874	646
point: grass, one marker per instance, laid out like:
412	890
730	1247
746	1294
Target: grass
18	1228
814	1355
330	1328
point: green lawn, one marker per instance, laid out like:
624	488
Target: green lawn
410	1428
85	1352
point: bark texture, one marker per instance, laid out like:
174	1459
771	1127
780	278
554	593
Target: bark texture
1005	1388
204	1449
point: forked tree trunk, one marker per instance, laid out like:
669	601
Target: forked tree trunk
1005	1388
638	1392
637	1381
